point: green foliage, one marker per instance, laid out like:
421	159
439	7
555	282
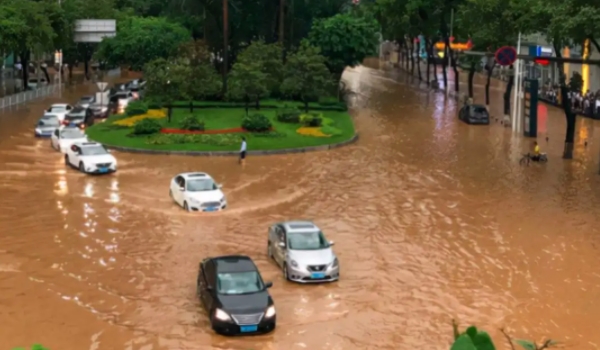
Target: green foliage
289	115
215	139
331	130
192	123
266	58
247	82
142	40
34	347
203	80
136	108
345	40
473	339
311	119
153	104
576	82
167	81
256	123
305	74
146	126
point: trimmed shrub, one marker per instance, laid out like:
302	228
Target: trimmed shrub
146	127
192	123
328	101
136	108
311	119
256	123
289	115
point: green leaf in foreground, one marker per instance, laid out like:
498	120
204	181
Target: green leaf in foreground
526	344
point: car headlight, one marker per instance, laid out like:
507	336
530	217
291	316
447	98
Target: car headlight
270	311
222	315
335	262
294	263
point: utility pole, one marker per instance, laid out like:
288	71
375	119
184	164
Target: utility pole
60	63
225	43
517	71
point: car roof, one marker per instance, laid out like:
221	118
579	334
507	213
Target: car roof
299	225
87	144
195	175
233	263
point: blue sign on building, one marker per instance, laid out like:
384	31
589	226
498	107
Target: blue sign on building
541	51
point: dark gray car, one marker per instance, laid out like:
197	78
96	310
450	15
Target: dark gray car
474	114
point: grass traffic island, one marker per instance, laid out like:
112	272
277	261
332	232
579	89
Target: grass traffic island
219	126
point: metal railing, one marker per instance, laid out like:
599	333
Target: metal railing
26	96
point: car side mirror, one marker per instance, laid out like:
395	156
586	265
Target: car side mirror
331	242
181	189
281	245
268	285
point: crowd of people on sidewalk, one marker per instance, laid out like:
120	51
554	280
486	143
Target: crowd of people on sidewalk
587	103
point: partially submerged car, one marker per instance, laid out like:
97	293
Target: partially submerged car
46	125
197	191
90	158
474	114
302	252
234	295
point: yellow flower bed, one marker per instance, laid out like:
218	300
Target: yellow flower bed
151	114
311	131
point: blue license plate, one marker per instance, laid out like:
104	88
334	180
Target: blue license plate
317	275
211	209
248	329
103	170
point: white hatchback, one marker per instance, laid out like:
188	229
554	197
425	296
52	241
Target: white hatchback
197	192
64	137
90	158
60	110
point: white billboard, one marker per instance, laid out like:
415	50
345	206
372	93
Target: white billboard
94	30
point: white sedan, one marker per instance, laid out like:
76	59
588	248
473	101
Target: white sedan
197	192
90	158
60	110
63	138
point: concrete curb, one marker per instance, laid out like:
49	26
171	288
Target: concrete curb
235	153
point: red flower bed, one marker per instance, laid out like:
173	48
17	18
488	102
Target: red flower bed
217	131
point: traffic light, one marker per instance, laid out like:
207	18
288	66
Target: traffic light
542	61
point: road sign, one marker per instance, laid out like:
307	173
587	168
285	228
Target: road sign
506	55
101	85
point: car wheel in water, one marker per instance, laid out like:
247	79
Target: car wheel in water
81	167
185	206
269	251
285	273
66	160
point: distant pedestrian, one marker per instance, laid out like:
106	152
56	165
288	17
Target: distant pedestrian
243	151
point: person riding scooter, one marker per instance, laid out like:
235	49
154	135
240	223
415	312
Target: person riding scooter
536	152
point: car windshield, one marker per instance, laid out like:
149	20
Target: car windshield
93	151
307	240
49	122
201	185
71	134
74	116
239	283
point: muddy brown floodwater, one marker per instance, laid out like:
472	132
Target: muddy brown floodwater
432	219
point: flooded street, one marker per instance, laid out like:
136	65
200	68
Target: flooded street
433	220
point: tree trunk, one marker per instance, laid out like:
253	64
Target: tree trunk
490	69
454	58
507	92
434	61
428	60
566	105
470	79
418	60
86	68
445	60
246	103
305	105
25	63
257	103
191	107
411	51
45	70
169	112
406	58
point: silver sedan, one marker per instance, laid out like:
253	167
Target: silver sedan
303	252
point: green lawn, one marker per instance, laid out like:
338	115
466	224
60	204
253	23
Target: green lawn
285	135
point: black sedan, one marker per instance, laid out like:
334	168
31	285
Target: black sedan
234	296
474	114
